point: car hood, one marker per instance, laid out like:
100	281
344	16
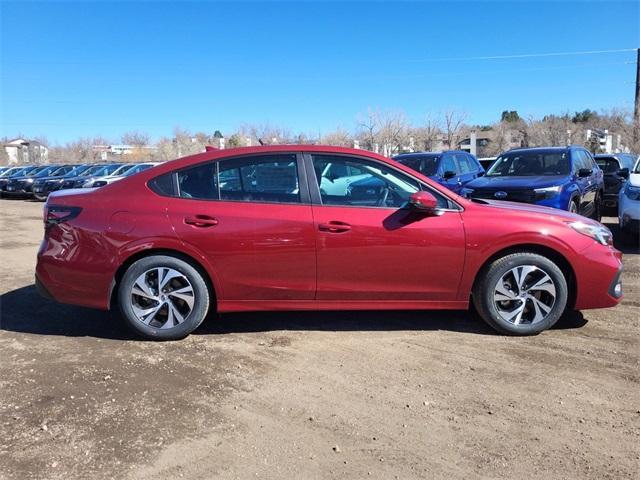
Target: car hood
634	179
525	182
530	209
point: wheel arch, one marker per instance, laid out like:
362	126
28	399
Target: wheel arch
117	278
552	254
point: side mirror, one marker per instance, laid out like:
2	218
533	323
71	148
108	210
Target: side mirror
623	172
585	172
448	174
423	201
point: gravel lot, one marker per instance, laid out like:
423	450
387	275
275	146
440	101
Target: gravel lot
310	395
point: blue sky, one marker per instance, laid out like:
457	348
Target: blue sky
73	69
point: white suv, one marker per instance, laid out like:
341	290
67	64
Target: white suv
629	206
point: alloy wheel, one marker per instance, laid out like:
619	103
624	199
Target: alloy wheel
162	297
525	295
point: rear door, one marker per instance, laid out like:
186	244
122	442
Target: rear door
371	248
251	216
469	168
450	164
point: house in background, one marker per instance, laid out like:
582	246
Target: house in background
21	151
485	143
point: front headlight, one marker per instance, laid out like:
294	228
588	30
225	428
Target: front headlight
548	192
633	193
28	180
599	233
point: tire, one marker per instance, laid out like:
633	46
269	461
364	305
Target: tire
529	316
573	206
40	198
171	313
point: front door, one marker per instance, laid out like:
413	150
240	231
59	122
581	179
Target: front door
253	221
370	248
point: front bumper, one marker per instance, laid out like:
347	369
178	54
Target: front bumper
18	191
597	272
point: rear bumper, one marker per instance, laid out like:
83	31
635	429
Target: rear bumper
71	276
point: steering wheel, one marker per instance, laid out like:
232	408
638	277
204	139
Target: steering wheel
382	201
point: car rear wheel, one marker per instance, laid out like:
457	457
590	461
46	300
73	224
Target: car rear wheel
521	294
163	297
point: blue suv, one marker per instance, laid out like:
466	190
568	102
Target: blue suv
567	178
452	169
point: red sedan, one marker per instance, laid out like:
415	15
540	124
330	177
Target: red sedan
314	228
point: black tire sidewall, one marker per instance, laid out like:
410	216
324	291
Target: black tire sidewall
485	304
201	301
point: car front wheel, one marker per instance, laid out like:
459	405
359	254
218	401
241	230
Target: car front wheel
521	294
163	297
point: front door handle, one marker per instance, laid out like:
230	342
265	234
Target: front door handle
201	221
334	227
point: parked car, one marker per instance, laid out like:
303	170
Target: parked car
18	172
250	229
616	168
629	206
89	174
119	174
566	178
453	169
6	174
42	187
22	186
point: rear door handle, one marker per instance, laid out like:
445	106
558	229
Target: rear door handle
334	227
201	221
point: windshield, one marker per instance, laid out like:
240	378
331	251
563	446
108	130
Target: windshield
123	169
108	170
636	169
137	169
35	171
91	171
10	172
425	164
530	163
46	171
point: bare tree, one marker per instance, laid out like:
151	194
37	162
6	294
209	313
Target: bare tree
453	125
368	130
136	139
338	137
427	135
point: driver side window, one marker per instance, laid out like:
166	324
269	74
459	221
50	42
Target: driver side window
368	184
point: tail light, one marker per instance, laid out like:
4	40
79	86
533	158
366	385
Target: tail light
55	214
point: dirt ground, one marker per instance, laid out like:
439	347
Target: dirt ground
310	395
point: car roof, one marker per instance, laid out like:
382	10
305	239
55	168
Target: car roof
548	149
215	155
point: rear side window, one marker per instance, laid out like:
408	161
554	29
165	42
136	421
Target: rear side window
465	163
199	182
267	178
163	185
608	164
261	178
448	164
